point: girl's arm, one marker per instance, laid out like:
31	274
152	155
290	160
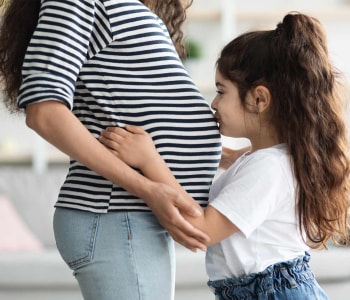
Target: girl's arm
229	156
57	124
134	146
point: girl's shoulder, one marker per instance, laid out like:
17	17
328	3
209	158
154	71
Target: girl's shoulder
266	158
266	165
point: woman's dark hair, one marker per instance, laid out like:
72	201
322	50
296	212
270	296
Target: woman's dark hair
292	61
20	20
18	24
173	14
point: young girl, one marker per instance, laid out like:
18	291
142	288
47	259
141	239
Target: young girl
291	191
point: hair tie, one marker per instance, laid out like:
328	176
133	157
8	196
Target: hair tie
279	29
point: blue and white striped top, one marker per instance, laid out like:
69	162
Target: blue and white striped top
113	63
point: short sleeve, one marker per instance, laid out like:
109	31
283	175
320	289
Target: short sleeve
57	51
252	193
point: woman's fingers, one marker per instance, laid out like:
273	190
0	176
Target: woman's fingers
167	206
188	242
184	233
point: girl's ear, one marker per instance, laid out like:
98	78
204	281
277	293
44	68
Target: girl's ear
262	98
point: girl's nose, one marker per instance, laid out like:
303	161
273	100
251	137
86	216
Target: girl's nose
213	104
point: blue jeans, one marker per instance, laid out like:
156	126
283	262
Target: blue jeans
118	255
290	280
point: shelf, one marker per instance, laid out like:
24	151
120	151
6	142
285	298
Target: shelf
27	159
339	13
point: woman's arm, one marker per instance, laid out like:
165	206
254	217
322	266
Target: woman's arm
56	123
134	146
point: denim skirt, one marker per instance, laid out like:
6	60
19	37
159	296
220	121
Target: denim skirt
282	281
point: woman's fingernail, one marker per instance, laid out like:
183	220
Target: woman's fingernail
197	213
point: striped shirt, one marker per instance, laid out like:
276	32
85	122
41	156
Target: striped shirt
113	63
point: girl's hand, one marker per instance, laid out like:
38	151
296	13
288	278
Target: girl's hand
131	144
229	156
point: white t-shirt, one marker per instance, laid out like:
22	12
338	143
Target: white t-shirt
257	194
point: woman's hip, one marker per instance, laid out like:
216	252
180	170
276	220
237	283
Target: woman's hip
124	252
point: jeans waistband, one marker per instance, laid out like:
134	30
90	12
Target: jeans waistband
289	273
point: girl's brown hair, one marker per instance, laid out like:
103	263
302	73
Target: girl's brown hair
292	61
20	19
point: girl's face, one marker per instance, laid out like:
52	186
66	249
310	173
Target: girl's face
232	117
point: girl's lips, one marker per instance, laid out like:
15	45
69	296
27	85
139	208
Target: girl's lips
217	120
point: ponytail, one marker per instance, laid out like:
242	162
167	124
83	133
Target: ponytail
18	24
311	122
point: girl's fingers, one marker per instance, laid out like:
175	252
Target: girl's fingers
135	129
112	144
114	134
111	131
123	132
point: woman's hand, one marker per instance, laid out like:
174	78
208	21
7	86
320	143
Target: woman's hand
131	144
171	207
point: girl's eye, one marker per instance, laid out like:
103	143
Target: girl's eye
219	92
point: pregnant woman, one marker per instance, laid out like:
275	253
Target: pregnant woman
78	67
